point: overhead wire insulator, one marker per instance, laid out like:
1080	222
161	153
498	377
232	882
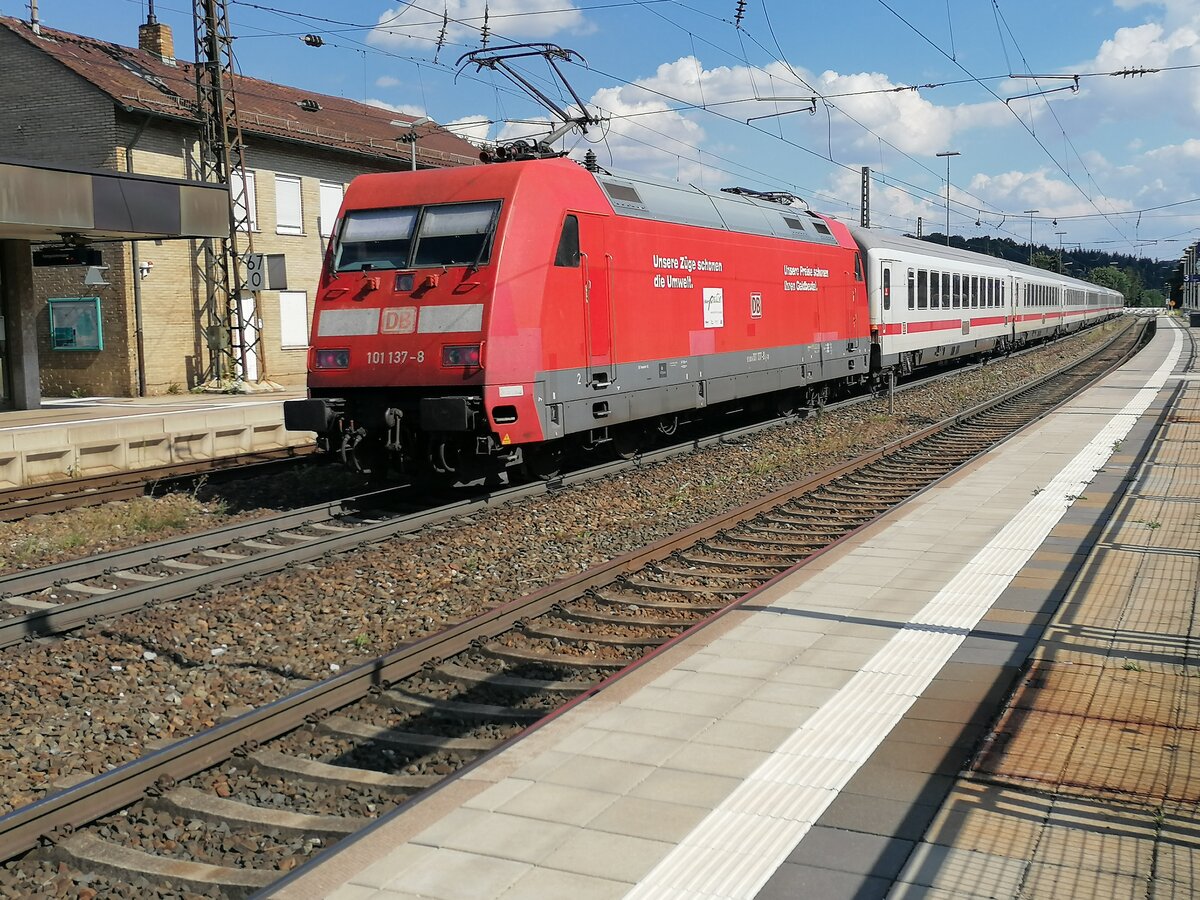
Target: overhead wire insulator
313	40
1134	72
441	40
485	32
739	13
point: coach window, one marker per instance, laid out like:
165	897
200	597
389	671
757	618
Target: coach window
935	290
922	289
887	287
945	290
568	244
912	289
956	291
974	292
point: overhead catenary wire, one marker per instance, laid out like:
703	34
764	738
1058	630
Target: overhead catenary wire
891	182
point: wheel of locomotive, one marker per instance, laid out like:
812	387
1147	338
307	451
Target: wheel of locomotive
818	396
544	461
787	403
364	456
629	440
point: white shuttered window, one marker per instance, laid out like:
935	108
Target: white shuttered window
289	216
331	202
293	320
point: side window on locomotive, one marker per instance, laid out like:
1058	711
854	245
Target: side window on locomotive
375	239
858	269
568	244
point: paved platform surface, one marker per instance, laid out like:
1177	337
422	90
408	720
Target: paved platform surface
75	437
991	692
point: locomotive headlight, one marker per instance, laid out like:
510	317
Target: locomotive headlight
333	359
465	355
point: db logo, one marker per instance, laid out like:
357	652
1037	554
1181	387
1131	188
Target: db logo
398	320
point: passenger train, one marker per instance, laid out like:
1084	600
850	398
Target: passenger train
474	319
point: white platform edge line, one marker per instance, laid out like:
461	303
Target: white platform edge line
712	847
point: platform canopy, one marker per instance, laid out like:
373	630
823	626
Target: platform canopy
42	202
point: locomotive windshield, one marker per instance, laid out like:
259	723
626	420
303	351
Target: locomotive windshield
411	237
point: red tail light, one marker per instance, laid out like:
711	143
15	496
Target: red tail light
467	356
333	359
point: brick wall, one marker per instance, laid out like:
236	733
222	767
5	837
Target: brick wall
47	113
110	372
50	114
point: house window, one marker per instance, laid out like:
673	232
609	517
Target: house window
293	320
245	205
331	202
288	212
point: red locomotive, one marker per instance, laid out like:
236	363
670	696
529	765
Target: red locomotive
476	318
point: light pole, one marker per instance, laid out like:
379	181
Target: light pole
1030	213
410	136
948	154
1060	237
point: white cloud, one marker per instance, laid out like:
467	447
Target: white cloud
386	81
471	128
406	109
1175	156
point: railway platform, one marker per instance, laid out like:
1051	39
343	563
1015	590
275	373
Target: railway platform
79	437
991	692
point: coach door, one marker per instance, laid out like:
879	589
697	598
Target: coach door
595	265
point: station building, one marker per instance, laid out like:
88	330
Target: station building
83	104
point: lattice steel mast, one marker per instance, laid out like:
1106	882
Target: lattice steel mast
234	341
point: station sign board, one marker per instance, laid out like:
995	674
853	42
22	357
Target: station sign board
67	256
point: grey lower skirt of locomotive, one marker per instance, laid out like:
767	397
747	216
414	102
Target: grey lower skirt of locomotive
381	434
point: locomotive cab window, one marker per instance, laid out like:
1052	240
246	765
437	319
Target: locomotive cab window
858	269
456	234
568	244
375	239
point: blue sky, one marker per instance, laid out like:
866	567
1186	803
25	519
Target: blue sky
1112	165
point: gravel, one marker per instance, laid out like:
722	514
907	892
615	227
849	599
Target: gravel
89	702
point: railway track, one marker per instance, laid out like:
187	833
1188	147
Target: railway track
312	767
92	490
57	599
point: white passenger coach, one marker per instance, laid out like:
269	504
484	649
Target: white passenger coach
929	302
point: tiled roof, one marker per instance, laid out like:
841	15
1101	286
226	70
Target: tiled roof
139	80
